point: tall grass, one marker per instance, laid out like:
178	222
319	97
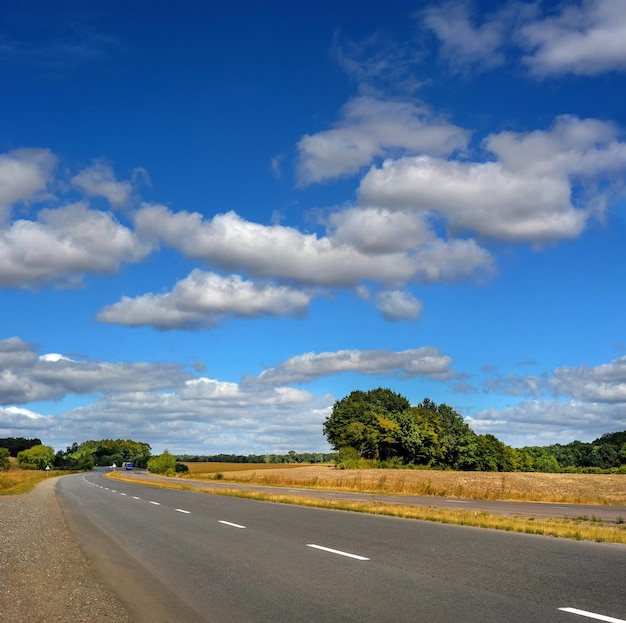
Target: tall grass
19	481
607	489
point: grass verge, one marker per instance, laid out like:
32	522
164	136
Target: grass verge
581	529
15	482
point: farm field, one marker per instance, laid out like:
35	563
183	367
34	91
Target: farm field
609	489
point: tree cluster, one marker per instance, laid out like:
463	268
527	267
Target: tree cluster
382	427
16	444
167	464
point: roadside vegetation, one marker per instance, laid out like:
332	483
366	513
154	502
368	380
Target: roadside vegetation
580	528
15	480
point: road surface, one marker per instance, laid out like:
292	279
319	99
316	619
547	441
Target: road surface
175	556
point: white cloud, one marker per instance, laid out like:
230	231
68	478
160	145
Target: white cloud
24	174
278	252
586	38
62	245
526	195
373	128
379	231
203	300
26	377
462	43
99	180
427	361
207	416
544	423
397	305
604	383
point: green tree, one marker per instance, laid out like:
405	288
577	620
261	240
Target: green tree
5	464
162	463
17	444
377	424
456	444
37	457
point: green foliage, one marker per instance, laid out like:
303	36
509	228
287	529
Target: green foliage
162	463
37	457
181	468
16	444
108	451
5	464
376	423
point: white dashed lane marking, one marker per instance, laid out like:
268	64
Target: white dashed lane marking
234	525
336	551
592	615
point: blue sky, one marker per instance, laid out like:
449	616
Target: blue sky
217	220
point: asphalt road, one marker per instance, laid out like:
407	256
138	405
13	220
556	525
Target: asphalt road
175	556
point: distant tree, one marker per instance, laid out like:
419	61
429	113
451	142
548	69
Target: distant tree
454	443
5	464
162	463
37	457
377	424
16	444
495	456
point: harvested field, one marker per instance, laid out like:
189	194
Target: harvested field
568	488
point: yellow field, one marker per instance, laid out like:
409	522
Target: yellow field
212	468
569	488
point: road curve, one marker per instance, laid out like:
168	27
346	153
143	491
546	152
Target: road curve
180	556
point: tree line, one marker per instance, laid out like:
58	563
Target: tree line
374	428
32	454
380	427
291	457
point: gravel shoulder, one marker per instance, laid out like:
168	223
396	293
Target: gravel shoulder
44	576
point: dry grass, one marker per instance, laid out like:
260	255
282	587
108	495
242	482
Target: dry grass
17	481
579	529
198	468
607	489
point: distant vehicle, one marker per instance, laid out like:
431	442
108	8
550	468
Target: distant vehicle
129	465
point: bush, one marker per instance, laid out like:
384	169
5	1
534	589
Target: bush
181	468
162	463
5	464
37	457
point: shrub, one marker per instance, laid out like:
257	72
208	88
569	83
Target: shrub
161	463
5	464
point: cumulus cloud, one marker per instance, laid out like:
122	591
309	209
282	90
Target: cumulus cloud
588	38
230	243
604	383
546	422
203	300
427	361
462	42
397	305
62	245
99	180
26	376
373	128
526	195
24	174
209	415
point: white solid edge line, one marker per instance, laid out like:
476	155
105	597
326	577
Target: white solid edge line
228	523
592	615
180	510
336	551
